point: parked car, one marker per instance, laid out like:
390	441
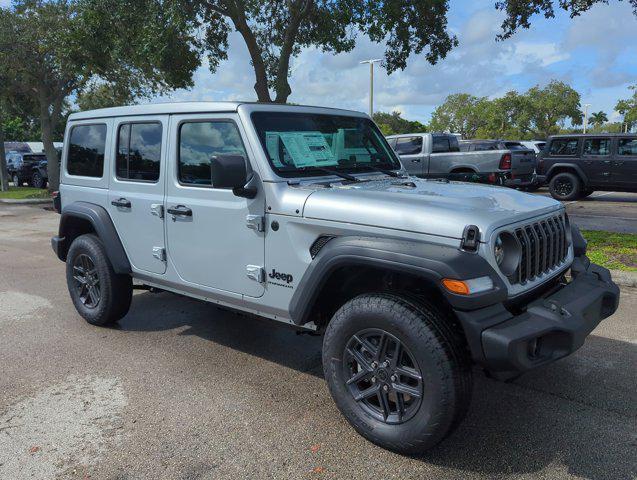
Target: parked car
536	145
27	168
305	216
574	166
523	160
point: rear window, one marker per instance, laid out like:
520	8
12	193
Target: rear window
138	151
564	146
627	146
444	143
515	146
597	146
86	150
408	145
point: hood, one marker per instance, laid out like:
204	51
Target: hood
426	206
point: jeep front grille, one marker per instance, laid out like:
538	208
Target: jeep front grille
544	247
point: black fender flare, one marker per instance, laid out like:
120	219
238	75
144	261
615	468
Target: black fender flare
567	166
102	223
429	261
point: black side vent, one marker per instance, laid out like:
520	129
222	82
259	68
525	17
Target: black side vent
470	238
318	244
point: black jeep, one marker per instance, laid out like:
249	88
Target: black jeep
575	166
30	168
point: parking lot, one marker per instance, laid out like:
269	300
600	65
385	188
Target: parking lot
611	211
181	389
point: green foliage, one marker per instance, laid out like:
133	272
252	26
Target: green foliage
393	124
519	12
275	31
103	95
23	193
460	113
628	108
598	118
535	114
616	251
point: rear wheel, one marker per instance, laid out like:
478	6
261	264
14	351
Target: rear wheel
99	294
397	370
37	180
565	186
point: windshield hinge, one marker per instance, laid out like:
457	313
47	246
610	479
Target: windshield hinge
255	222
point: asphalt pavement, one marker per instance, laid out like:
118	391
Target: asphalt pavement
610	211
180	389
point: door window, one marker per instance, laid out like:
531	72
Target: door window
408	145
627	146
86	150
563	147
199	142
138	151
597	146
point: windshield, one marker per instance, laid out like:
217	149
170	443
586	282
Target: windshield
301	144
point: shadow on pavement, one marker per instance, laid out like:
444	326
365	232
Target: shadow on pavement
579	413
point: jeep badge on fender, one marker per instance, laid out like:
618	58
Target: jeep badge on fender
377	258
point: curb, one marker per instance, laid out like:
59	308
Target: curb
26	201
624	279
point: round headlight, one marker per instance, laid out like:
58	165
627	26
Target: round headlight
507	252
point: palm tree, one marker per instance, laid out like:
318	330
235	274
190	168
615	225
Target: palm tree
598	118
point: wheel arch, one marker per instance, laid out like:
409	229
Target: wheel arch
568	168
348	266
80	218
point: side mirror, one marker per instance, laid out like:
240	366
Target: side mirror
229	171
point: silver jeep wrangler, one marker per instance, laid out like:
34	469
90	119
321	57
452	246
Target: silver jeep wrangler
305	216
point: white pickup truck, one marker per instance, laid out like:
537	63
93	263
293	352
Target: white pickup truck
439	154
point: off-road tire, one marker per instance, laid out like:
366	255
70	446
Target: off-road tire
437	344
38	181
115	290
558	190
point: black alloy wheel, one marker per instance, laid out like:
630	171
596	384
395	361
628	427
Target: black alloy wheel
383	376
564	186
86	281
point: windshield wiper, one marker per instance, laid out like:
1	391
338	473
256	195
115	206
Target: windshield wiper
344	175
385	171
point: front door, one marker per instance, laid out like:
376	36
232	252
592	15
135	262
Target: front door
596	161
212	235
410	151
136	194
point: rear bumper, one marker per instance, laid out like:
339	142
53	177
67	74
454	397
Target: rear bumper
522	180
550	327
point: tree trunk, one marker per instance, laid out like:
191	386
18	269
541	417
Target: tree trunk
52	163
4	174
261	85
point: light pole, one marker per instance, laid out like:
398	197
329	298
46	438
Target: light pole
371	83
586	116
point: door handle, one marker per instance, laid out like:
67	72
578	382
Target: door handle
416	160
121	203
606	162
180	211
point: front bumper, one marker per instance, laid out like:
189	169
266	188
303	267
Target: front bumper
549	328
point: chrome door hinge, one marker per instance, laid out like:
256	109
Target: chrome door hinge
256	273
159	253
157	209
255	222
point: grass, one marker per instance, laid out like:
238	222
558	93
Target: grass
616	251
23	193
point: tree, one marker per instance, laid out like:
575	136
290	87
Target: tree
54	49
104	95
275	31
519	12
598	118
627	108
460	113
393	124
543	111
500	117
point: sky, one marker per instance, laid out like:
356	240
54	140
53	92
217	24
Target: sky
595	53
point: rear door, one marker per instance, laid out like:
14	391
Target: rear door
410	150
136	194
596	160
625	163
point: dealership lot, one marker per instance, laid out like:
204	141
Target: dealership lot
611	211
182	389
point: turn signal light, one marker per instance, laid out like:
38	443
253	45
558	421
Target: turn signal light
456	286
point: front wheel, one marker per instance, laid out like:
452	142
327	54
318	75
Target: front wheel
99	294
398	371
38	181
